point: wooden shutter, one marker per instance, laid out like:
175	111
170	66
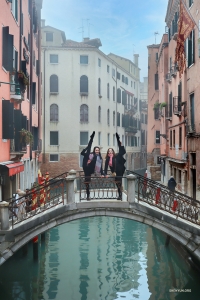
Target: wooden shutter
18	128
33	92
7	49
7	120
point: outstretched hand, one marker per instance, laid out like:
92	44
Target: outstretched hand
93	134
117	136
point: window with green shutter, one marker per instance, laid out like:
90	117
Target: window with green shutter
53	138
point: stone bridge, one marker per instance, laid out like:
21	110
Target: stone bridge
143	201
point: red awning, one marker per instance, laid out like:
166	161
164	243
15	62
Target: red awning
15	168
129	93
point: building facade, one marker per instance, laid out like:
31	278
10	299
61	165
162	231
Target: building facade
85	90
19	95
179	117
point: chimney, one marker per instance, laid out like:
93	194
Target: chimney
42	22
86	39
136	59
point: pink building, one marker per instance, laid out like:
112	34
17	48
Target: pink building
20	96
178	122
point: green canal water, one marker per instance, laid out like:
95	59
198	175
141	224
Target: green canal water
100	258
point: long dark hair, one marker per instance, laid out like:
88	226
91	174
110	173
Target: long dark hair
95	153
112	151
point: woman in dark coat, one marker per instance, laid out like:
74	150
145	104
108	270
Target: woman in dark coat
116	163
92	163
171	184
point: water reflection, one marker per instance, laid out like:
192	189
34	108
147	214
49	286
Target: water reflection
99	258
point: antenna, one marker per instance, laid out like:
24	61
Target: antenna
155	33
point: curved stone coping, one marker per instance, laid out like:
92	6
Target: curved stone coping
186	233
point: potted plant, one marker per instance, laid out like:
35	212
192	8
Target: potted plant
163	104
26	137
22	77
156	105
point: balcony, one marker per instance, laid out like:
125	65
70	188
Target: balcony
130	109
16	93
131	129
17	148
177	106
168	77
173	71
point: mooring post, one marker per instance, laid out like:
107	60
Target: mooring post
73	173
70	188
131	187
4	213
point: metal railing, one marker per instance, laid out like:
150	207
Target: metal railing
158	195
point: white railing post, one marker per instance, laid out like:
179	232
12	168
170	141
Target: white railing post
4	212
73	173
131	187
70	187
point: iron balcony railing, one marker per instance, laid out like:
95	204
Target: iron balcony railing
177	105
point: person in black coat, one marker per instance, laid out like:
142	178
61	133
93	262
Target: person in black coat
116	163
172	184
92	163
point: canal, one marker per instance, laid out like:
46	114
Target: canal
100	258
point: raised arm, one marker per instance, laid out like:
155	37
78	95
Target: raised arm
122	150
87	150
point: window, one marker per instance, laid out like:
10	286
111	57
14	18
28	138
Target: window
53	84
174	139
84	59
170	139
54	58
83	113
119	95
7	48
113	72
190	49
108	69
123	78
83	138
118	119
156	113
131	83
157	137
170	105
54	138
108	117
14	8
34	58
54	113
99	86
113	139
126	80
99	62
108	90
180	137
190	2
192	112
49	36
108	137
145	119
53	157
113	93
134	84
156	81
179	176
84	84
118	75
99	138
99	114
113	118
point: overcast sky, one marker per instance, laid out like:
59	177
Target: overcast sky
124	27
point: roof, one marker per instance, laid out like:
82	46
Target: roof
94	43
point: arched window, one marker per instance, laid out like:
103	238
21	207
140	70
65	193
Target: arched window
83	113
108	117
108	90
99	86
99	114
54	113
54	84
84	84
113	93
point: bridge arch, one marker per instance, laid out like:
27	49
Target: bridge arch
64	214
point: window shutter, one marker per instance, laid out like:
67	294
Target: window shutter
22	24
18	127
16	60
23	66
24	122
7	120
119	95
7	49
123	97
33	92
156	81
35	138
189	52
37	67
16	9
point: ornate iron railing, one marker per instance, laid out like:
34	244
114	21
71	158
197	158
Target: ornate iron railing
160	196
